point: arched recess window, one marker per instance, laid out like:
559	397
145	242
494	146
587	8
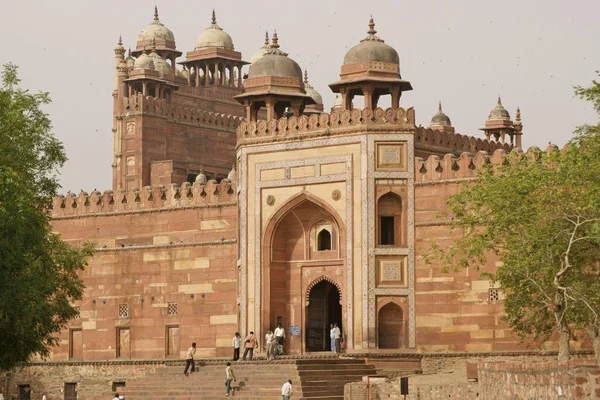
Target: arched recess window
324	240
389	210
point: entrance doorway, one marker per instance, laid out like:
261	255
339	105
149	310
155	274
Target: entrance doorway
324	308
24	392
390	327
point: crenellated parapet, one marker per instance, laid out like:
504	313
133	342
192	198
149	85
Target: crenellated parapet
326	124
451	168
147	198
435	139
149	105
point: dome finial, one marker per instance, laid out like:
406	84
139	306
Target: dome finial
440	106
120	41
266	38
371	30
156	13
275	41
499	100
129	52
214	17
518	116
305	76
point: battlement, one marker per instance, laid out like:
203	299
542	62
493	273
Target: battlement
451	168
426	137
148	198
149	105
326	124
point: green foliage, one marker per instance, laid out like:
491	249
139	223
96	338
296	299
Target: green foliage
539	214
38	271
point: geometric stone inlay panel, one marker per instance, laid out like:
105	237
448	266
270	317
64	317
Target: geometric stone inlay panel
391	156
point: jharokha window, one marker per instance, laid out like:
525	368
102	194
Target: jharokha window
389	210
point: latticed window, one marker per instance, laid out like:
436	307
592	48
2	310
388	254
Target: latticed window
123	310
494	294
172	309
77	313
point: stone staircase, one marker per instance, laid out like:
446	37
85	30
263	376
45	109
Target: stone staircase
313	378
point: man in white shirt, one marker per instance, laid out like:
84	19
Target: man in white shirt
286	390
338	336
236	343
279	335
189	361
332	336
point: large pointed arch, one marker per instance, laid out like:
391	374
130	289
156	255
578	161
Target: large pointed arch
318	280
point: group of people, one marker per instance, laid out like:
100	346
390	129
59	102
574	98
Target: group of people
335	334
274	344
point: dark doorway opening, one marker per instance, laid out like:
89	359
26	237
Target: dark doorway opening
24	392
390	327
324	308
387	230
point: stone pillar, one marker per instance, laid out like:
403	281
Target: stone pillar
197	70
173	65
368	94
157	91
144	88
240	78
231	76
189	76
270	104
206	75
216	75
395	97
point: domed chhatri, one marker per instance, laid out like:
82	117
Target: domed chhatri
371	69
161	65
440	119
262	51
143	62
499	112
316	108
275	63
372	49
161	35
214	37
274	82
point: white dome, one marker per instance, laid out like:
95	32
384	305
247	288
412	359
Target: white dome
262	51
160	64
155	31
143	62
214	37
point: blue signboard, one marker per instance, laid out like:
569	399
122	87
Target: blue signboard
294	330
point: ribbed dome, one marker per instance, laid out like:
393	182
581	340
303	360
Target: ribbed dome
311	91
160	64
155	31
372	49
143	62
275	63
499	112
262	51
440	119
214	37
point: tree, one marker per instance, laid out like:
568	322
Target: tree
38	271
539	214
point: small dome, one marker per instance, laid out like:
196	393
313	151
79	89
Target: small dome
440	119
143	62
275	63
338	102
201	178
232	175
130	61
262	51
182	73
214	37
372	49
311	91
160	64
155	31
499	112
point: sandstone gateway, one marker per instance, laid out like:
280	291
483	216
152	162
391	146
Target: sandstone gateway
238	204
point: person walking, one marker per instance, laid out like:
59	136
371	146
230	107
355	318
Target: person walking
280	335
338	336
189	361
271	344
250	344
236	343
1	396
117	397
286	390
44	397
229	376
332	337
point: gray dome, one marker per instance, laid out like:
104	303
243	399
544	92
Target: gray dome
372	49
232	175
262	51
440	119
311	91
143	62
156	30
499	112
201	178
130	61
275	63
160	64
214	37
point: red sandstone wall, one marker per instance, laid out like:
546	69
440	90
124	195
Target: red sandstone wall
154	247
578	379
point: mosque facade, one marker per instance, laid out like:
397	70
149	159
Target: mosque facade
239	204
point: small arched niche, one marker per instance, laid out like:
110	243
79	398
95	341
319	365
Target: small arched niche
389	220
390	327
324	240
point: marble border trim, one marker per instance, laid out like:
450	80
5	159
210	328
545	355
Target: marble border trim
242	154
396	251
347	177
371	319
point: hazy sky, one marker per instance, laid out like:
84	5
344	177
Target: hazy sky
463	52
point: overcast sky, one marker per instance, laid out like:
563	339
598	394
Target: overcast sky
463	52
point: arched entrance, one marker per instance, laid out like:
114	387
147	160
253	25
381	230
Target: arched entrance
390	327
323	308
